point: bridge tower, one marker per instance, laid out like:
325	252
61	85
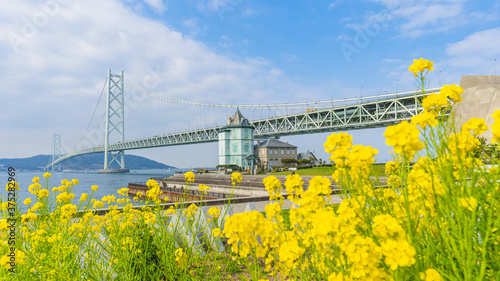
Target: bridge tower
115	122
56	152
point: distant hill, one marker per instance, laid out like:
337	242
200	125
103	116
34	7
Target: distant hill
84	162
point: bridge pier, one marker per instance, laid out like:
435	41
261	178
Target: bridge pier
113	171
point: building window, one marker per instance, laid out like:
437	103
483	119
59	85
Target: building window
270	151
282	151
235	148
275	151
246	148
288	151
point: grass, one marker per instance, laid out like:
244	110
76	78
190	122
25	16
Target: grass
316	171
378	171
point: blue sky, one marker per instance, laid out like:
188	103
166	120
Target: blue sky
54	55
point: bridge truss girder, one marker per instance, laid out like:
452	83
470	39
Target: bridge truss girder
370	114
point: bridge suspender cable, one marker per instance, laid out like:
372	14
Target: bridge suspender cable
284	106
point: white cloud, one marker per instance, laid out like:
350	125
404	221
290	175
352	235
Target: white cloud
223	4
482	43
192	27
249	12
159	5
419	18
475	54
52	83
334	4
225	42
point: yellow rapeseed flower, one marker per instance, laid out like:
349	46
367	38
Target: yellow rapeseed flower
189	176
391	167
152	183
420	65
477	125
453	92
123	191
425	118
6	204
108	199
430	275
236	178
47	175
65	197
404	137
469	203
435	102
274	188
462	143
43	193
94	187
83	197
27	201
29	217
35	207
203	188
336	276
190	211
98	204
11	186
170	211
495	127
398	253
216	232
214	212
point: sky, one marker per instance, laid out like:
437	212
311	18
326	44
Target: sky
55	54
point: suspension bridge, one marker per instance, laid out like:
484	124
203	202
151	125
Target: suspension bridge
289	119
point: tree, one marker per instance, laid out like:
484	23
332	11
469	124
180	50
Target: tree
287	161
304	162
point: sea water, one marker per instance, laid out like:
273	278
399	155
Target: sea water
108	183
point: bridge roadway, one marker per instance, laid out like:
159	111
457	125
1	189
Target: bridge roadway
356	113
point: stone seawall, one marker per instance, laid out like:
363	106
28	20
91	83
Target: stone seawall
251	185
180	196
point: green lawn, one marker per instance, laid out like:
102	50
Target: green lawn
316	171
378	171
